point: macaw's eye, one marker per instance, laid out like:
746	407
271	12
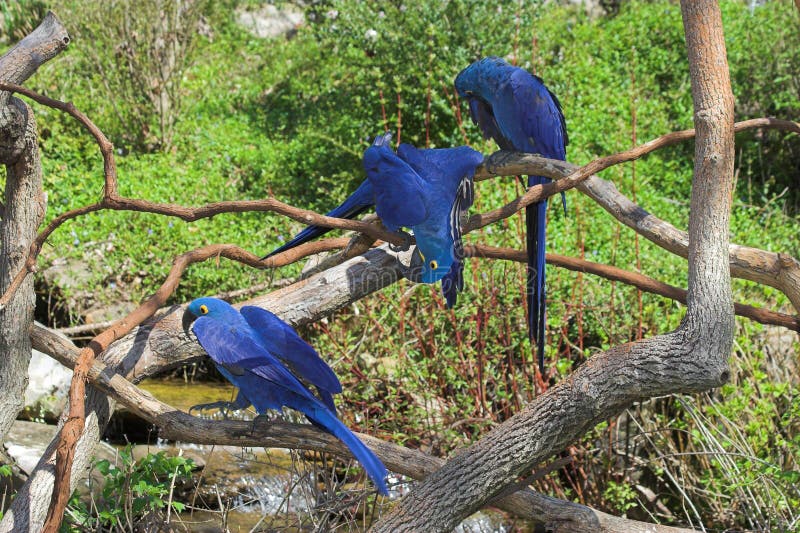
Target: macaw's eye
434	265
204	309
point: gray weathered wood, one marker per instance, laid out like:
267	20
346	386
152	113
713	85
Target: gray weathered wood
779	270
177	425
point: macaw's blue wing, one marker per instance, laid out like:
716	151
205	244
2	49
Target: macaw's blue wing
400	193
282	340
481	113
267	384
362	199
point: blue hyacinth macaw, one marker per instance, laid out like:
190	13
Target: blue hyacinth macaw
514	107
266	359
426	190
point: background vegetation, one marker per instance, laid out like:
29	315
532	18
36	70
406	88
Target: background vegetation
291	116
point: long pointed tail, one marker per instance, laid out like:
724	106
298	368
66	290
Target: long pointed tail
369	461
354	205
536	221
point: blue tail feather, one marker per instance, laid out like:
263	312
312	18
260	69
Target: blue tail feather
369	461
355	204
536	221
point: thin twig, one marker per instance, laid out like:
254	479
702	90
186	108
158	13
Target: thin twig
640	281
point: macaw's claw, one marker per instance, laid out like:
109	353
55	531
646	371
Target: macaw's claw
223	407
408	241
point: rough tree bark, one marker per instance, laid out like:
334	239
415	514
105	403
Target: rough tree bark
144	349
24	209
692	358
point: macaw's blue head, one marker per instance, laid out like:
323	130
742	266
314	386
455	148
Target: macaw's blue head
431	260
208	307
480	77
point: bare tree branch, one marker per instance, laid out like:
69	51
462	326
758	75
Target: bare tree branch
501	163
640	281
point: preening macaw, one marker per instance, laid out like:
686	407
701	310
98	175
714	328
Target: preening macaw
255	351
425	190
514	107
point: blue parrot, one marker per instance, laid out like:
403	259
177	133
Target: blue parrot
250	349
514	107
424	190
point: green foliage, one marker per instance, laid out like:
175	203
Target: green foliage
131	491
19	18
620	495
136	52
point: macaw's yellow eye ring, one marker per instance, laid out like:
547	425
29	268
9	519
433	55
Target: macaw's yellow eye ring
204	309
434	265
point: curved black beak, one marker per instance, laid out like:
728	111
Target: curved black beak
187	320
415	267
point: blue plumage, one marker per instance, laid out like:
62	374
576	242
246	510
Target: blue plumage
424	190
252	359
516	109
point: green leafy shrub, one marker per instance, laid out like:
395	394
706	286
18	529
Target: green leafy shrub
132	492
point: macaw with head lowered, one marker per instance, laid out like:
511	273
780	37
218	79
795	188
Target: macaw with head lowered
425	190
514	107
266	359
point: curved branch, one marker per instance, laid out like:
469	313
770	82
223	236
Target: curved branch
73	427
785	269
640	281
160	343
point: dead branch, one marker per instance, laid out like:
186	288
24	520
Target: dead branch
111	200
640	281
73	427
500	163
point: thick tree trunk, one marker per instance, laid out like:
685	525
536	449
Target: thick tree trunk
24	210
692	358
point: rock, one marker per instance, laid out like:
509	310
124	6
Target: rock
388	366
27	441
113	311
270	21
48	387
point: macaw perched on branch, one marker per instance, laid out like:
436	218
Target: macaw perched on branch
514	107
255	351
424	190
